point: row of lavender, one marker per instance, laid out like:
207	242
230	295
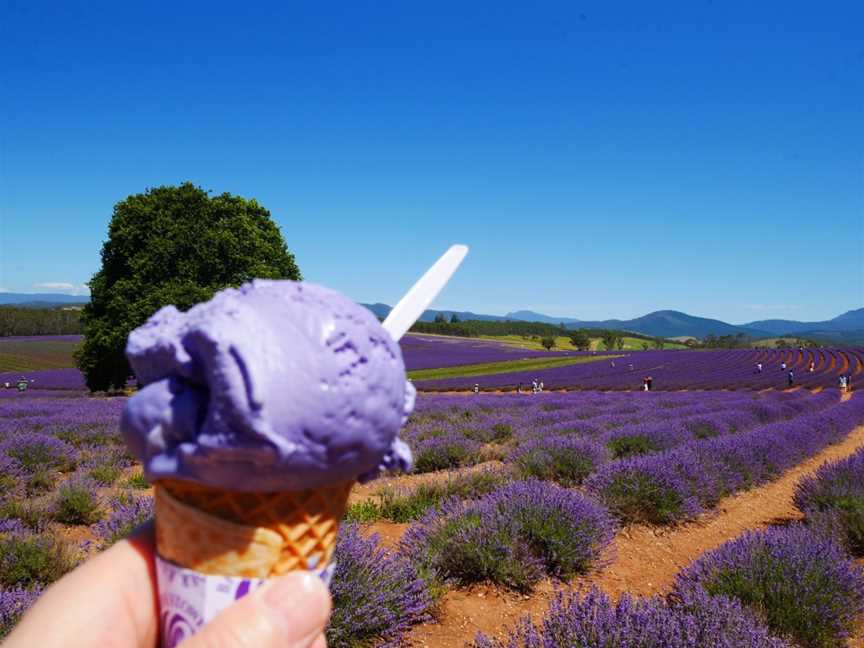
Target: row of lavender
660	459
798	581
675	370
591	428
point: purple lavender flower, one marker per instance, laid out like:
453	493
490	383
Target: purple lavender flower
37	451
77	502
28	559
833	498
123	520
593	621
12	526
643	489
11	474
801	583
13	604
439	453
512	536
564	459
376	595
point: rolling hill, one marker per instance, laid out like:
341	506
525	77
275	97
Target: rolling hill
847	328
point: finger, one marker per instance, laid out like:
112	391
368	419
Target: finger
320	642
290	612
109	600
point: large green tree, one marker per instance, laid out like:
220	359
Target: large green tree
171	245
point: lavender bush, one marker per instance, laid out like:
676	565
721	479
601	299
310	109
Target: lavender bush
37	451
564	459
126	516
802	584
377	595
13	604
511	536
11	474
28	559
440	453
644	490
834	498
76	502
409	504
31	512
593	621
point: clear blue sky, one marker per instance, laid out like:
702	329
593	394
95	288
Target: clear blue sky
602	159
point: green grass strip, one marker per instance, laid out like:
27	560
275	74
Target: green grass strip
508	366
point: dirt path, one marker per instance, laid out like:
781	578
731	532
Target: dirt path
643	560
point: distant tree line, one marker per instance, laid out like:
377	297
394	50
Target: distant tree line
580	338
476	328
738	341
39	321
744	341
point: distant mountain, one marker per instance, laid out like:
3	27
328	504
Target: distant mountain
669	323
847	328
848	321
531	316
40	300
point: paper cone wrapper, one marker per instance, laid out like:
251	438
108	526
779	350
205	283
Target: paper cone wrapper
216	546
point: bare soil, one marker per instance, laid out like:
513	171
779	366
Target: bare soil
642	560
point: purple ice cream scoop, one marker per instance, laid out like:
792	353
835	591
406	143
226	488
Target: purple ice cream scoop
276	385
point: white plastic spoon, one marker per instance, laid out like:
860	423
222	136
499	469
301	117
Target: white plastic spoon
411	306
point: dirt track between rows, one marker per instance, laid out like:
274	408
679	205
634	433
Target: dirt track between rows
642	560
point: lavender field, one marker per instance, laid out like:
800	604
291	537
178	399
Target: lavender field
519	490
432	351
675	370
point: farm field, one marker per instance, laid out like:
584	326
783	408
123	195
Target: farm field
516	500
36	353
562	343
435	351
676	370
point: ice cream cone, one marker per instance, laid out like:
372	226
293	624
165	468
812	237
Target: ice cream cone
247	534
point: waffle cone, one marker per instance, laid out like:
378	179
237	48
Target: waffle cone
252	535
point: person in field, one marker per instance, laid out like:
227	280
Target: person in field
476	388
650	383
540	386
849	383
812	366
758	367
783	366
791	378
843	384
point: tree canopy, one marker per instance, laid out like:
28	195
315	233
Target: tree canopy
171	245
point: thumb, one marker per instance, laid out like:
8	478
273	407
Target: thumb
290	612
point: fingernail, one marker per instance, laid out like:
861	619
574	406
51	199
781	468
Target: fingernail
300	599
